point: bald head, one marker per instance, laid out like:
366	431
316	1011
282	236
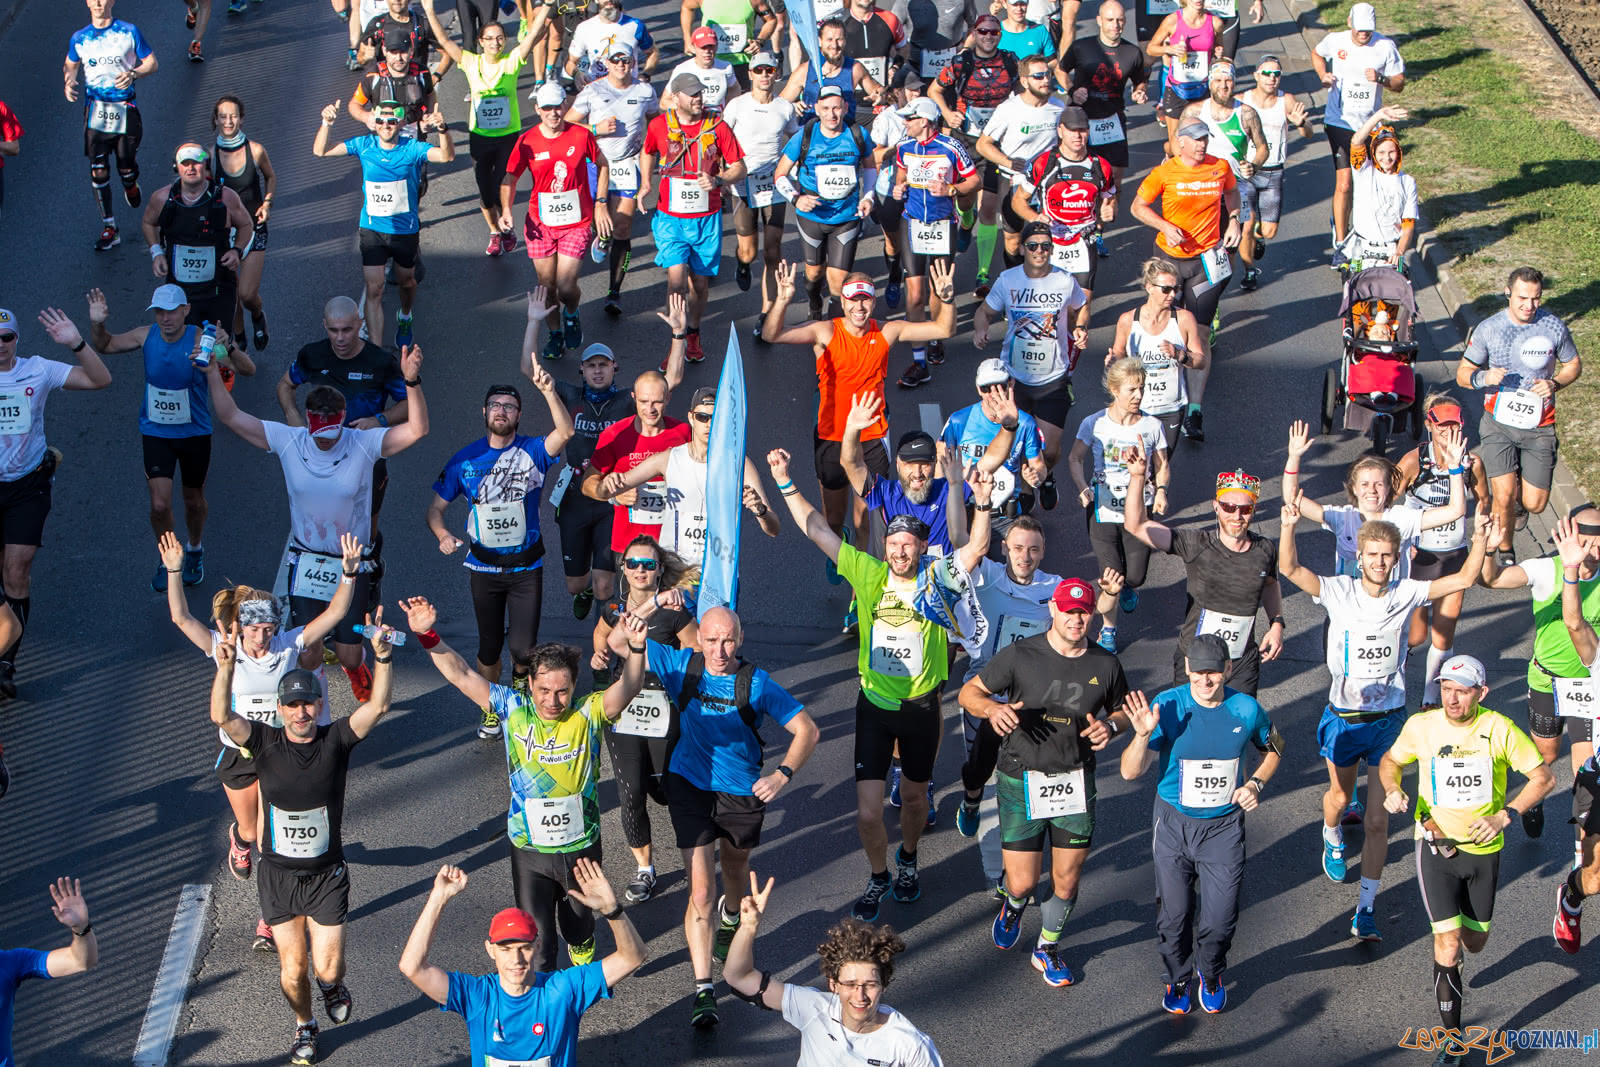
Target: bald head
720	637
340	307
342	321
1111	18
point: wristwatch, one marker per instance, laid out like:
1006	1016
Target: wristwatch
785	770
1258	783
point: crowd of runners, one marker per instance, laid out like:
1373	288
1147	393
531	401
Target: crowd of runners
957	133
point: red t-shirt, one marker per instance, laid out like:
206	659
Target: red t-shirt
560	169
620	448
678	165
10	128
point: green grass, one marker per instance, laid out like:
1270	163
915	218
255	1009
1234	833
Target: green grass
1502	185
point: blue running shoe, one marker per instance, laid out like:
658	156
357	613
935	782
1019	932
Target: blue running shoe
967	818
1354	813
894	786
402	331
1364	925
1129	601
572	330
1213	996
1048	962
1333	861
891	295
1007	925
1176	1000
1107	639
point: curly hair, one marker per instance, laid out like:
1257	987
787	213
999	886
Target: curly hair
853	941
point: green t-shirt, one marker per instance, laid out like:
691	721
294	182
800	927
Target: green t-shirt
495	109
902	654
1461	770
554	769
736	25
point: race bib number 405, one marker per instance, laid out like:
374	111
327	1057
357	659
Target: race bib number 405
553	821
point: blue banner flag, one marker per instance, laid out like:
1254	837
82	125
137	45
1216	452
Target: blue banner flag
719	571
803	24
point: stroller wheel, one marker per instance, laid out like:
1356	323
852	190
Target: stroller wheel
1382	424
1330	399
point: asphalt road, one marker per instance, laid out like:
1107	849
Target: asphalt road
111	753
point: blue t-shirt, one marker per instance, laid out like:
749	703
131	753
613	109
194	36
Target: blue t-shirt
503	486
17	965
969	432
1033	41
940	156
1204	736
105	54
176	401
843	161
716	750
888	496
540	1026
389	178
845	80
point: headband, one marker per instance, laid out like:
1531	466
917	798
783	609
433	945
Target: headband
256	611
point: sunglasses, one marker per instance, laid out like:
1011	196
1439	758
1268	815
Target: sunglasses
1270	73
7	338
763	70
1040	75
625	61
1037	246
640	564
988	33
386	120
549	107
1235	509
700	416
1165	288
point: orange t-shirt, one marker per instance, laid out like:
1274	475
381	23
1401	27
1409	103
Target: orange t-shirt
1192	199
847	367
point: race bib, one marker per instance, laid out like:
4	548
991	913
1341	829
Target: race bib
930	238
1235	630
108	116
1072	257
932	62
731	39
894	653
978	118
1111	495
687	197
876	67
491	112
1446	538
1577	698
1163	391
501	525
552	822
649	504
1206	783
1050	796
758	187
1520	410
560	209
923	171
258	707
1373	655
646	716
316	577
191	264
495	1061
166	407
624	174
1160	7
301	835
1014	629
1224	9
16	410
1358	98
1191	69
1107	130
1462	783
387	199
835	181
558	491
1034	354
826	9
1217	264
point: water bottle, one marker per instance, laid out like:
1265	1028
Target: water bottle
208	337
393	636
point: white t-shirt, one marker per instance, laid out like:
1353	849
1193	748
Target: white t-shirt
1543	573
330	493
761	129
1112	446
631	107
1353	99
593	39
23	391
1038	321
1379	201
684	529
718	79
888	130
1022	130
1344	522
255	681
824	1042
1014	611
1366	636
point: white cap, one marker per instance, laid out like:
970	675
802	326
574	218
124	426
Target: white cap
1463	670
993	371
763	59
550	94
168	297
1363	17
921	107
8	321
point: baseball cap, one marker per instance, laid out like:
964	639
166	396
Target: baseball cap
1036	228
858	289
189	152
992	371
168	297
1444	413
550	94
1195	131
503	390
1208	652
763	59
921	107
620	48
299	685
1074	117
829	90
1463	670
908	524
397	41
685	83
703	394
915	447
511	925
905	77
1073	594
1363	17
703	36
8	321
985	19
597	351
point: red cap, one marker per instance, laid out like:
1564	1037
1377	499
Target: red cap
703	36
1073	594
986	19
1441	413
513	924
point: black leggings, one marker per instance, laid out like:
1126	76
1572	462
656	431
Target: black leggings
474	15
489	158
637	764
983	752
1118	549
505	602
1200	295
539	883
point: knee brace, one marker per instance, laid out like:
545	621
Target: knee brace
99	172
128	174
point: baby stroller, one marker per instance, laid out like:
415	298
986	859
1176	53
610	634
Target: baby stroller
1377	372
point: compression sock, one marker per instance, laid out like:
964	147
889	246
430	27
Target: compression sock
1436	658
1053	915
988	234
102	193
1572	896
896	271
1447	986
814	289
20	607
619	263
967	217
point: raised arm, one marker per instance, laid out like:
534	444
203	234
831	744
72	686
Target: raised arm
70	911
739	970
772	329
1452	447
420	617
103	340
1289	564
560	418
755	501
91	372
445	150
943	326
1134	517
225	411
433	980
596	894
319	144
955	499
971	554
805	516
1300	442
1579	629
622	691
1484	533
364	718
453	50
415	428
864	408
1137	757
222	714
177	604
328	619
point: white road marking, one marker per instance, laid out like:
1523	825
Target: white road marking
172	980
932	419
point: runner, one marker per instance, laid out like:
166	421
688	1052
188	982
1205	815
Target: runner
1261	198
996	438
112	54
1186	43
1384	206
734	24
624	445
1237	136
762	124
695	155
1356	66
717	796
805	85
391	169
1167	340
400	20
553	758
1367	698
243	165
199	233
1045	778
1199	732
198	18
607	33
1022	37
850	1019
718	82
912	489
301	769
397	78
175	418
1112	439
27	466
888	130
264	653
876	38
502	1020
10	144
1022	129
1576	540
502	475
938	29
1099	69
563	214
17	965
1520	357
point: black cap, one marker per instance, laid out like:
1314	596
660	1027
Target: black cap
1208	652
915	447
299	685
397	41
1074	117
908	524
701	395
1036	228
503	390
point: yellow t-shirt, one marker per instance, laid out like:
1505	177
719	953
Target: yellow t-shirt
1461	770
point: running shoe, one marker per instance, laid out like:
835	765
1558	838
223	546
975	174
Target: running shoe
237	7
1100	248
194	566
725	930
109	238
866	906
967	818
581	954
132	195
402	331
894	786
741	277
1252	278
351	62
303	1049
1333	861
572	330
915	375
1364	925
158	581
963	239
553	348
1048	962
1049	497
581	603
264	941
981	288
508	241
8	680
599	249
5	773
613	304
1451	1054
1354	813
258	329
891	295
703	1016
1567	926
1008	924
189	19
1193	428
1177	1000
238	854
1533	820
494	247
935	352
361	684
195	55
489	728
641	888
336	1001
1128	601
692	352
1213	995
1107	639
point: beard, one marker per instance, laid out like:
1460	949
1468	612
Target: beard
920	496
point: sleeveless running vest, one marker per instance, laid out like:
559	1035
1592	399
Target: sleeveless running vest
1165	389
845	80
684	529
196	236
247	183
1228	139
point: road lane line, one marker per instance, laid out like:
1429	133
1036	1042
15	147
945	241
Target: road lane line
172	980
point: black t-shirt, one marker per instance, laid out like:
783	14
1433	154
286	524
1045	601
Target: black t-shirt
413	27
1059	694
1104	72
662	628
302	794
590	417
1221	579
371	380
